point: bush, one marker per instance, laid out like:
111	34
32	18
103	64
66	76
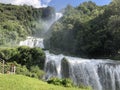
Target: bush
36	72
67	82
63	82
55	81
22	70
24	55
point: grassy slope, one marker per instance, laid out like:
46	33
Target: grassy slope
19	82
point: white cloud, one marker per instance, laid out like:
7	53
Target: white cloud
35	3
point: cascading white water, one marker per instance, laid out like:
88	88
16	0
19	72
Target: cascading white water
58	16
32	42
38	42
99	74
48	23
52	65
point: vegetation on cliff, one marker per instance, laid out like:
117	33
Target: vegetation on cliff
28	61
88	30
17	22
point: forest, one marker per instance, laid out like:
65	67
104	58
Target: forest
18	22
88	31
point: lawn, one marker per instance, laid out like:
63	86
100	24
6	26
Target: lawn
19	82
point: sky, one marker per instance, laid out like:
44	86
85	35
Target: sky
57	4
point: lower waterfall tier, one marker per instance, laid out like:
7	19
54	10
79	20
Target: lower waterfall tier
98	73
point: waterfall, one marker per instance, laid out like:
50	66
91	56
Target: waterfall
58	16
50	22
100	74
32	42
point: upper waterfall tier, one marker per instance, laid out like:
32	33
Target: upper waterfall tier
32	42
58	16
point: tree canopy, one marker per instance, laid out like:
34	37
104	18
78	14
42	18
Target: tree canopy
17	22
88	30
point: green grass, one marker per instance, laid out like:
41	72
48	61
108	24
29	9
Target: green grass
19	82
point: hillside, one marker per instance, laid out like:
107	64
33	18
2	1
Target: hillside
17	22
19	82
88	30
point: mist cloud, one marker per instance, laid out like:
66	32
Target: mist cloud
34	3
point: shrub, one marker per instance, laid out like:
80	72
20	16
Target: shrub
55	81
22	70
67	82
36	72
63	82
24	55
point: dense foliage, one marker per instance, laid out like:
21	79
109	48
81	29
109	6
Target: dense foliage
88	30
17	22
34	71
66	82
28	61
63	82
24	56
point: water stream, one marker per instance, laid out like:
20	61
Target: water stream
100	74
